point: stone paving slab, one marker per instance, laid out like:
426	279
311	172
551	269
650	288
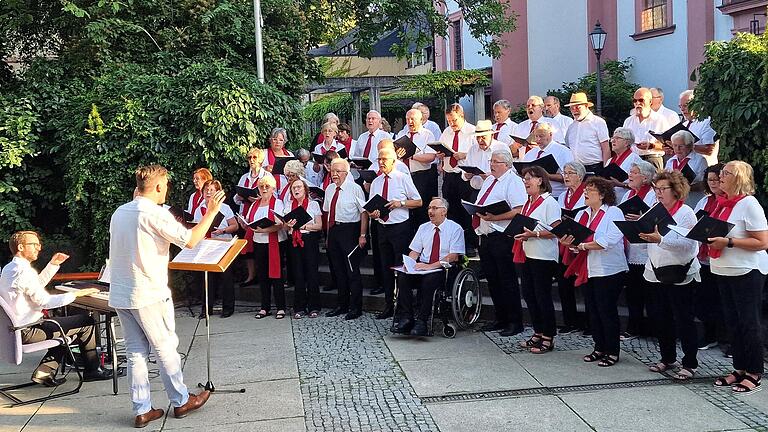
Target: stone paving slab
667	408
291	424
437	347
535	414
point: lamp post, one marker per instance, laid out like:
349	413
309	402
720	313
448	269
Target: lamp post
597	40
257	33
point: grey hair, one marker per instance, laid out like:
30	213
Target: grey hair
684	135
658	90
544	126
294	167
537	99
688	93
277	131
504	104
373	111
505	154
647	169
625	133
578	167
302	152
341	161
421	107
328	116
443	201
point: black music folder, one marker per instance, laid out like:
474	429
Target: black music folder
367	175
707	227
342	152
634	205
657	216
405	143
547	162
377	202
518	222
667	135
245	192
317	191
496	208
701	213
216	221
472	170
318	158
261	223
688	173
568	226
441	148
520	140
179	213
571	213
299	214
279	167
361	163
614	171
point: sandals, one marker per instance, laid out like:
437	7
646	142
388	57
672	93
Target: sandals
535	340
262	314
660	367
298	315
608	360
593	357
729	380
280	314
741	387
314	314
545	345
684	374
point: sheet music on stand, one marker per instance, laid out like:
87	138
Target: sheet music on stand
105	274
207	251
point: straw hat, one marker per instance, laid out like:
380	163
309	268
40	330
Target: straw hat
579	98
484	127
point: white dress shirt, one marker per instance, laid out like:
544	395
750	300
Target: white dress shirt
562	155
465	142
703	130
509	188
523	129
247	180
584	138
670	116
562	122
451	240
505	131
313	178
358	150
349	205
675	249
261	213
637	253
140	233
747	215
696	161
400	187
434	128
420	138
547	213
24	291
654	122
399	166
226	211
479	158
610	260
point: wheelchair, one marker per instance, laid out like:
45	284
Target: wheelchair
457	304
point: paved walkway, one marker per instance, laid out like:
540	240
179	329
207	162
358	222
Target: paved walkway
327	374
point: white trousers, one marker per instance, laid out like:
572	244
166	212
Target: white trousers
152	327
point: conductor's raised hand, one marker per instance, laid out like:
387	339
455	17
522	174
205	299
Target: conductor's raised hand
58	258
214	202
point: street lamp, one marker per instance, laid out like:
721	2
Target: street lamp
597	40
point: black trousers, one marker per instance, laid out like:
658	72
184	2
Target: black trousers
267	284
454	190
374	245
742	298
496	261
601	294
567	293
536	285
426	183
304	264
636	293
393	243
425	285
672	314
219	285
708	307
80	327
342	238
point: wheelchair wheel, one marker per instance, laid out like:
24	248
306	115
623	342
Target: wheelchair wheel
449	331
466	299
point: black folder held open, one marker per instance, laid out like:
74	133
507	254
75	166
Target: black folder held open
634	205
377	202
299	214
495	208
657	216
547	162
568	226
706	228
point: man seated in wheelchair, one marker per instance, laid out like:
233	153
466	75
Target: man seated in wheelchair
436	243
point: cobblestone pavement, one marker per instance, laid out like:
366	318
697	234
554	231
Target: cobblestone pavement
351	382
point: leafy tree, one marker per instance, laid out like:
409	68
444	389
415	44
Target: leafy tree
731	86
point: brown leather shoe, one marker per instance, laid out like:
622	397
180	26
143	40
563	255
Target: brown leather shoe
144	419
194	402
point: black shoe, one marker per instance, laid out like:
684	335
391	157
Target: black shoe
386	313
49	380
226	314
336	312
246	283
419	329
403	327
564	330
493	326
511	330
328	288
353	315
377	291
99	374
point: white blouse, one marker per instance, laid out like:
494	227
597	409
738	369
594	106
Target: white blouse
637	253
747	215
610	260
675	249
262	212
542	248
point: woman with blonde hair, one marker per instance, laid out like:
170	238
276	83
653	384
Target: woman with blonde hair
250	180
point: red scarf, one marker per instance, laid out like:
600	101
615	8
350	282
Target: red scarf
570	202
197	199
678	165
347	144
723	212
579	265
644	189
676	207
203	210
708	207
517	248
274	244
297	240
619	159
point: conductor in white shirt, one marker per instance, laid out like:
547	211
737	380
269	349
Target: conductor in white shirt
23	289
141	233
438	241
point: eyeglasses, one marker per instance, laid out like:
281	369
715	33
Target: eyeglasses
570	173
333	171
661	189
435	208
638	100
497	162
725	172
252	157
37	245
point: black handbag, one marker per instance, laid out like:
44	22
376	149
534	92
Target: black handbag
672	274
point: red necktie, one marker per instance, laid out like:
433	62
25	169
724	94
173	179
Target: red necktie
384	193
202	212
533	126
476	218
540	153
367	150
332	210
453	161
498	126
434	256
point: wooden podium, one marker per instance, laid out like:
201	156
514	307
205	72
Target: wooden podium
210	255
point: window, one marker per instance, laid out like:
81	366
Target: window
653	15
458	58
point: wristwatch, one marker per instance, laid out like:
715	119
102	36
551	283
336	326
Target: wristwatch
402	203
730	242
